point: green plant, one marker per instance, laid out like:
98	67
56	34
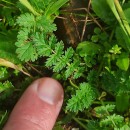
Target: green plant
83	99
6	89
94	73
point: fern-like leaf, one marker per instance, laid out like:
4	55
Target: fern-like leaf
44	48
52	60
103	110
27	52
59	49
36	39
71	68
26	20
22	36
117	119
58	59
31	45
83	99
45	24
79	71
62	61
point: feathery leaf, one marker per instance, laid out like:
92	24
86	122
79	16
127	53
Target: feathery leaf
52	60
27	52
26	20
83	98
62	61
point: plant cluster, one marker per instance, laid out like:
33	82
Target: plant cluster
95	73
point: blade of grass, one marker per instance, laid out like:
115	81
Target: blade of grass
55	7
113	8
9	64
122	16
28	5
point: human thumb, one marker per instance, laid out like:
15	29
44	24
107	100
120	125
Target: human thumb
38	107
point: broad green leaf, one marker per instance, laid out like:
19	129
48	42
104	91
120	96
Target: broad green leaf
120	37
123	61
87	48
127	14
120	98
103	11
97	30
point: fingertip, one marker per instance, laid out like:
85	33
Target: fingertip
39	106
50	90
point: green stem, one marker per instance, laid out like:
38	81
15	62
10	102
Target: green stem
112	35
81	119
100	67
74	85
80	123
3	117
99	102
109	61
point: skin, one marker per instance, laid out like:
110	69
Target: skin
38	107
